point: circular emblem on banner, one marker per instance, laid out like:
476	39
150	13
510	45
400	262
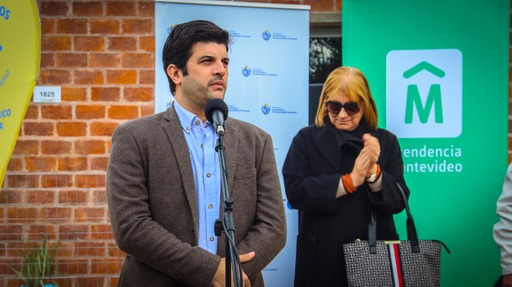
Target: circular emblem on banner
266	35
246	71
265	109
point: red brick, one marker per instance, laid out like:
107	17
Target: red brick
48	26
89	8
39	230
122	44
38	129
55	77
11	197
138	94
26	147
56	112
91	281
105	60
101	232
55	43
99	197
147	110
40	163
55	147
89	147
89	77
72	163
57	214
147	9
11	232
65	249
90	112
121	8
71	129
105	26
21	181
90	214
138	26
20	214
123	112
72	26
103	128
32	111
73	232
138	60
71	60
105	266
147	43
90	249
15	164
147	77
114	251
106	94
70	94
53	8
56	180
99	163
47	60
72	197
40	196
123	77
90	181
89	43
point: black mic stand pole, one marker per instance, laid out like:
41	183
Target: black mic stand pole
227	223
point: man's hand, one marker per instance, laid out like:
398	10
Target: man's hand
220	276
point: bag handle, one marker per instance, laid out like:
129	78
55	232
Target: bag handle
412	235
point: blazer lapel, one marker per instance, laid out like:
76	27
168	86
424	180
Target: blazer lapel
174	132
230	153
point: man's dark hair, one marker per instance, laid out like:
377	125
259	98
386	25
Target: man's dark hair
178	46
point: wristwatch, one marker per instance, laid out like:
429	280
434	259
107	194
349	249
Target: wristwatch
372	178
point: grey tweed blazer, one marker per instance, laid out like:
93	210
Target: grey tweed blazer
153	209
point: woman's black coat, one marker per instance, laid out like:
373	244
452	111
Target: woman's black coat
317	158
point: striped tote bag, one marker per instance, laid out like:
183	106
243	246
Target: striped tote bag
400	263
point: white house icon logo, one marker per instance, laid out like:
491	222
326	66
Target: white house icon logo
424	93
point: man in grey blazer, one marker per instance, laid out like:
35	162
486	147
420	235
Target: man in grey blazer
163	178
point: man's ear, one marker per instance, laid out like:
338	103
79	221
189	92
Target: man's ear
174	73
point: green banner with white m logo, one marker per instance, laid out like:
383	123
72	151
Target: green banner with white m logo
439	73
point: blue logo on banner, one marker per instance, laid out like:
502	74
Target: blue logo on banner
4	12
266	35
265	109
246	71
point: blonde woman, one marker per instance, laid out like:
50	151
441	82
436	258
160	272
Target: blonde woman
336	173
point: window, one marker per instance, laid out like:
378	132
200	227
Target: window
324	54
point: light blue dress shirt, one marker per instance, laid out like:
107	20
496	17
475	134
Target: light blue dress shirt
201	140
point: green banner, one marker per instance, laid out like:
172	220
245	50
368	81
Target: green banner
20	51
439	73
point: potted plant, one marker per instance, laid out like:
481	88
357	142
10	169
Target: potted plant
37	269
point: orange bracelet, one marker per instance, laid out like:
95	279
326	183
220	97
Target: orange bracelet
348	184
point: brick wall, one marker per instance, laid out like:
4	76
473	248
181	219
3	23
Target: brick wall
101	53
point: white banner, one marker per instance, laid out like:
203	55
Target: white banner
268	80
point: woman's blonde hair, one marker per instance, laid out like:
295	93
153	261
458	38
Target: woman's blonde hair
352	83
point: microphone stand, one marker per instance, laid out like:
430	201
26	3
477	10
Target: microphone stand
226	223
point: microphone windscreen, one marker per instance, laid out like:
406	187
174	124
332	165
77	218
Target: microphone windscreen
215	104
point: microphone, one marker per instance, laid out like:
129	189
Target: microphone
216	112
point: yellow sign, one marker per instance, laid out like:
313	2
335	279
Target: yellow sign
20	52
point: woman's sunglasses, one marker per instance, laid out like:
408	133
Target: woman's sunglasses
334	107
